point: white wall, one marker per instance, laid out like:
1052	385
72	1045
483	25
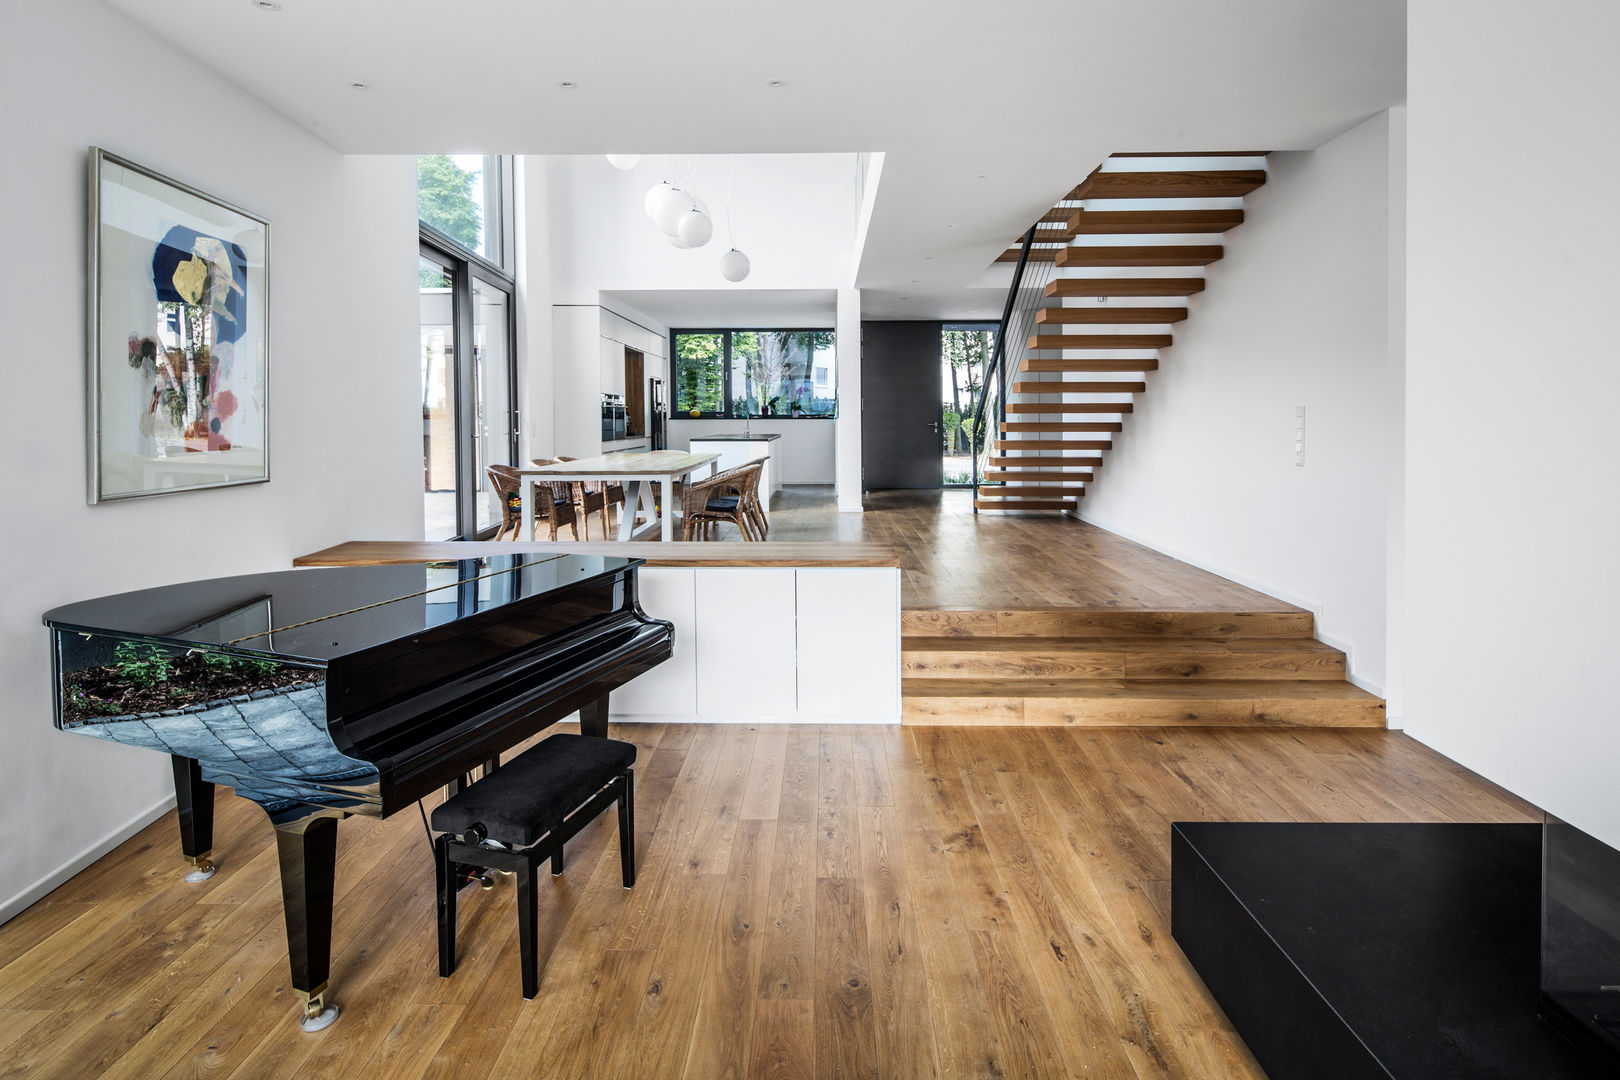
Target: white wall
804	453
1294	314
345	430
794	215
1512	579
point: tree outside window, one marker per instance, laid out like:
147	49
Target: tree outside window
752	373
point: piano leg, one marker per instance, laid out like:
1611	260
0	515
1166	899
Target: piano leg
593	718
194	798
308	852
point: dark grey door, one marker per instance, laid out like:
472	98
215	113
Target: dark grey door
900	395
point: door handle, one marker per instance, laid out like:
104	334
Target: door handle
935	426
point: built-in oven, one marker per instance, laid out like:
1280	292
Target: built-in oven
613	417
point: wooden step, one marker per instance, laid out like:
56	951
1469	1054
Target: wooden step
1021	491
1036	254
1057	407
1139	222
1069	622
1140	702
1022	504
1119	658
1086	363
1082	316
1221	184
1132	286
1100	341
1055	425
1033	387
1033	462
1054	444
1176	255
1013	476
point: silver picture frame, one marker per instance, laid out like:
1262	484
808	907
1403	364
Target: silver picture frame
156	418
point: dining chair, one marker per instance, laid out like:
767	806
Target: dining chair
551	506
592	497
720	499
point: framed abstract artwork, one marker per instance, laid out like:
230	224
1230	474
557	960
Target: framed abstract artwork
179	336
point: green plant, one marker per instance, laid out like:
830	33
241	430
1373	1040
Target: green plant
81	701
226	664
143	665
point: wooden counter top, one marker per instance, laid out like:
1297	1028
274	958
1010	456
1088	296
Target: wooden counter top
657	553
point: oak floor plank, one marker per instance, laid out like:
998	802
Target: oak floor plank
762	795
902	1027
783	1042
846	1042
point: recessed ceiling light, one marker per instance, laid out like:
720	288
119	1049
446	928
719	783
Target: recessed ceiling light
265	5
915	280
983	176
928	258
360	86
568	84
776	84
950	226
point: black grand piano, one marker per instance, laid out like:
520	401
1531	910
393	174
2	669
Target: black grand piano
351	690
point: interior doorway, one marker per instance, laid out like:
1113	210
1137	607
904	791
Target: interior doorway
965	350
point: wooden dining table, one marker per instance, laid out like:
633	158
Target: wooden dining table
639	469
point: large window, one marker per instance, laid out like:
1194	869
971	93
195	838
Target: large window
467	357
737	373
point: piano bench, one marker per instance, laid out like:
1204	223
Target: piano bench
531	806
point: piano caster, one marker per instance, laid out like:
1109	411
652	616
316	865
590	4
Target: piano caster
317	1014
202	868
485	879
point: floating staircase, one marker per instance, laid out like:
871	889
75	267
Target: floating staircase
1123	245
1107	667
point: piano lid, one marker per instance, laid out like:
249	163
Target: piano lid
324	613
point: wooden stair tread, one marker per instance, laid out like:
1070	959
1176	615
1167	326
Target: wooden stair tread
1225	183
1055	425
1140	222
1003	462
1023	504
1131	286
1169	255
1033	387
1060	486
1004	443
1036	254
1060	644
1039	407
1086	363
1297	689
1281	623
1012	476
1119	316
1099	341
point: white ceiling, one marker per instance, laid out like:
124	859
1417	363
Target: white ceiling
986	113
762	308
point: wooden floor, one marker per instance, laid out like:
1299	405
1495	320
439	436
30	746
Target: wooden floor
952	558
813	902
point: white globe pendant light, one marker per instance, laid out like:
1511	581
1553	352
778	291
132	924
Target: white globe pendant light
734	265
624	161
694	228
669	212
657	195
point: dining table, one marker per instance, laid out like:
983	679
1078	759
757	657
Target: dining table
640	469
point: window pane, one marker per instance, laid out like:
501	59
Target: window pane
699	369
438	401
783	373
464	197
965	350
491	378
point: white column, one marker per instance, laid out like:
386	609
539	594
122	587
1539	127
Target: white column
536	423
847	437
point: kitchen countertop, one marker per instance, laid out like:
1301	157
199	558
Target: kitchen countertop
759	437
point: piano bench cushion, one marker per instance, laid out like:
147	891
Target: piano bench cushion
530	795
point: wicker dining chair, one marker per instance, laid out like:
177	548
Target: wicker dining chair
720	499
598	498
551	506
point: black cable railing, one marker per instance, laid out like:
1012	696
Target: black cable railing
1017	322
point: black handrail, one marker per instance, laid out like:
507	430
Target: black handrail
976	432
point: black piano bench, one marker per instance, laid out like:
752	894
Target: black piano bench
531	806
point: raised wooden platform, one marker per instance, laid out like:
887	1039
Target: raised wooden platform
656	553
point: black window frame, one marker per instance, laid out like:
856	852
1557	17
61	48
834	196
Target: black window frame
725	333
465	265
